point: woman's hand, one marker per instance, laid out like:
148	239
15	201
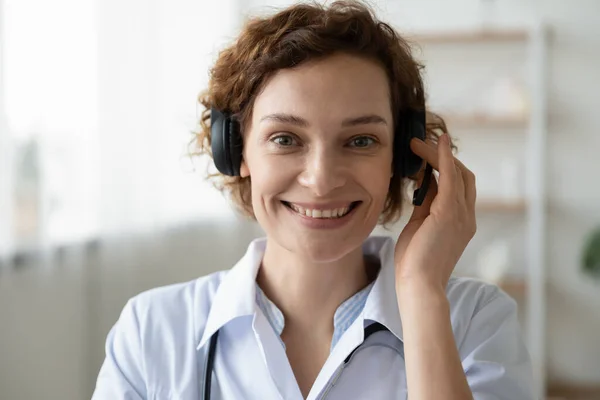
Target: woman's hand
439	230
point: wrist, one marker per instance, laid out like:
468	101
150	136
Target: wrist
422	284
421	293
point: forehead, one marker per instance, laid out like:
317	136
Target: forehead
327	90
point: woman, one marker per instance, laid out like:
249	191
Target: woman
325	101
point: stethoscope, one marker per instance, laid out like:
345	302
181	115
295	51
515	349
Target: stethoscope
210	358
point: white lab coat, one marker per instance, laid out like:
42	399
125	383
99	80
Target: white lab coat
157	348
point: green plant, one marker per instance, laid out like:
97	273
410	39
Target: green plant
591	253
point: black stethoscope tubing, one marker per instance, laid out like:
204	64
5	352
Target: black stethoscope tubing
208	366
210	358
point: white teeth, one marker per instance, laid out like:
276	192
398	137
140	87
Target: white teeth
332	213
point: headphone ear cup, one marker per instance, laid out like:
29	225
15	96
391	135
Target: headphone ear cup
226	143
415	128
235	146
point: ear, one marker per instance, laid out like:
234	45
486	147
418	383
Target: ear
244	171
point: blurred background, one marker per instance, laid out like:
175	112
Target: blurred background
99	200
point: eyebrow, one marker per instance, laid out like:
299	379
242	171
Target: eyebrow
364	120
301	122
285	119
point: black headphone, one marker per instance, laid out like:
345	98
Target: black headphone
227	146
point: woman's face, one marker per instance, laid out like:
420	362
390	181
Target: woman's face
318	150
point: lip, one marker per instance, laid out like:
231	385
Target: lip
323	223
323	206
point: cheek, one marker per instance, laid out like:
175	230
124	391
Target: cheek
269	179
376	180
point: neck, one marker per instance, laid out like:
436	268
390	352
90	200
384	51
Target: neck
308	293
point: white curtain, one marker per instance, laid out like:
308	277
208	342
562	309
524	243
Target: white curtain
97	101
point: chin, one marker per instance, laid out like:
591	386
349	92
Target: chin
325	248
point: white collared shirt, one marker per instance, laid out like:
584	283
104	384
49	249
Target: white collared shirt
157	348
343	318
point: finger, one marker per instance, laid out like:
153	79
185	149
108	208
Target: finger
460	186
470	185
468	178
471	190
448	183
429	153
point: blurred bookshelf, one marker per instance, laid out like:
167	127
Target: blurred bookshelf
483	206
515	287
482	121
491	205
559	391
522	111
472	36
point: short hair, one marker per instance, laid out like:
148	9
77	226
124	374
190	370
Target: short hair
290	37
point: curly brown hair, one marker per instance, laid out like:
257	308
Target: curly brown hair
290	37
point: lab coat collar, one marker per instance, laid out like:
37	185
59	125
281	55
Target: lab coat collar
382	303
235	296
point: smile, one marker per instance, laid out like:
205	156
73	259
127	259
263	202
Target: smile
332	213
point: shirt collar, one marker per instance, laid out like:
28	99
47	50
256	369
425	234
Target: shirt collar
236	295
343	318
382	303
271	311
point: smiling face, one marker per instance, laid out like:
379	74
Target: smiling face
318	150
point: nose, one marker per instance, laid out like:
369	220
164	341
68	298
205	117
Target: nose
324	171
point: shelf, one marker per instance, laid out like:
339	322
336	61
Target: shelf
482	121
501	206
484	205
516	288
472	36
558	391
